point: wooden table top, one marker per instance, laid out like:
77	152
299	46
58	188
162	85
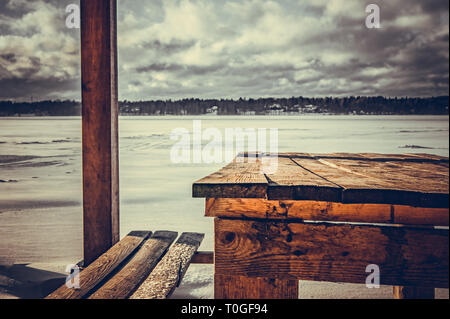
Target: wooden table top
419	180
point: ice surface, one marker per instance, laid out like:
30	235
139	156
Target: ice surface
40	211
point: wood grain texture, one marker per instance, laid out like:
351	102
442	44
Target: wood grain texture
372	157
115	205
290	181
244	208
239	287
396	179
407	215
99	127
408	181
169	272
289	210
242	177
413	292
124	282
416	157
98	270
380	182
331	252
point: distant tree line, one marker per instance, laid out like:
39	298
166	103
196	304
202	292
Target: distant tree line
260	106
41	108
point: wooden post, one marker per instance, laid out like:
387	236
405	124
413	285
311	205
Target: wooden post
240	287
228	286
409	292
100	126
401	292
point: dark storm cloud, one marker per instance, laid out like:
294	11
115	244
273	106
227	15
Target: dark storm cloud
435	6
327	51
9	57
168	48
39	56
185	70
251	48
203	70
159	67
36	89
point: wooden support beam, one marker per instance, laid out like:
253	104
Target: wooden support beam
408	215
332	252
100	126
289	210
325	211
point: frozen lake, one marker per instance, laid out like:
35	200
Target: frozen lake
40	196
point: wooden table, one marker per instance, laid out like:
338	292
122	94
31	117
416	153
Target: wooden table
326	217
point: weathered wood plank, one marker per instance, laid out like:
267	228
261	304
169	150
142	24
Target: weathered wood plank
404	157
408	215
397	179
99	127
229	190
288	173
169	272
124	282
439	169
240	171
323	155
93	274
426	178
379	183
332	252
306	210
340	175
401	292
395	197
242	177
372	157
325	211
432	157
240	287
415	184
290	181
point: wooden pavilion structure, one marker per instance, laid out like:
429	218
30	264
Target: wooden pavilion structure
103	253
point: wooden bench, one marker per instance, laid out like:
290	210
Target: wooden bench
143	265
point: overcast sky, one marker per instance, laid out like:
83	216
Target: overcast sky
239	48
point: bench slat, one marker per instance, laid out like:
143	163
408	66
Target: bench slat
124	282
102	266
169	272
